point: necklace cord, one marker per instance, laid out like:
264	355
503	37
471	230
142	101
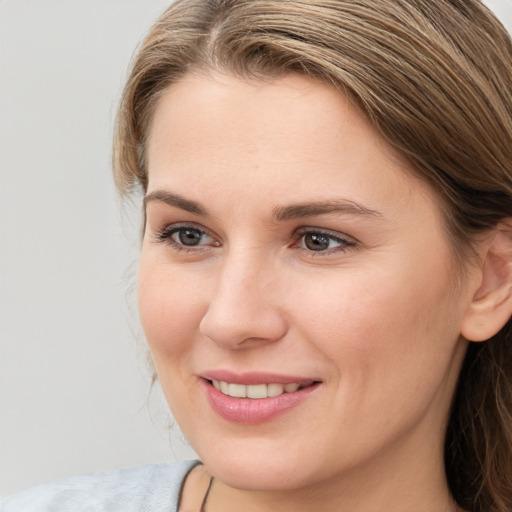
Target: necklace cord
206	496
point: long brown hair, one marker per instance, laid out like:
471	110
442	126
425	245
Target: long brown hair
435	78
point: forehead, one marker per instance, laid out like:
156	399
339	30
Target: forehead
292	136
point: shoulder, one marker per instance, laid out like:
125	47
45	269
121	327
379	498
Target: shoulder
154	488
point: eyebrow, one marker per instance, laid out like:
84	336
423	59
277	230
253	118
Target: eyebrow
280	213
344	206
176	200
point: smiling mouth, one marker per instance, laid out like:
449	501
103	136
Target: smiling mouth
257	391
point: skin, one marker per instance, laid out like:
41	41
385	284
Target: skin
376	317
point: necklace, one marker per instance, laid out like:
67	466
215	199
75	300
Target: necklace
205	499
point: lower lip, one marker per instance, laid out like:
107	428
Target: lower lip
249	410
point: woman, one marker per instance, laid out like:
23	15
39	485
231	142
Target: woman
325	275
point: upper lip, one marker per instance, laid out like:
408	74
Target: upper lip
254	378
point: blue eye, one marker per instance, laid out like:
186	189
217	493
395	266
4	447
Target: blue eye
319	241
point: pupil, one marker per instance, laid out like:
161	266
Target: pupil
189	236
315	242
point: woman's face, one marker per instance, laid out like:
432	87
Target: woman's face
287	244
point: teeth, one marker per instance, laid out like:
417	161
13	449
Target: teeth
237	390
257	390
275	389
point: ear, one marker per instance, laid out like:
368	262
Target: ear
491	306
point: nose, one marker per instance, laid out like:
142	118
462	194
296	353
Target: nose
242	312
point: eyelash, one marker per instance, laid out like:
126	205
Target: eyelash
165	236
344	243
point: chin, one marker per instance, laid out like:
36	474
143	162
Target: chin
266	477
260	465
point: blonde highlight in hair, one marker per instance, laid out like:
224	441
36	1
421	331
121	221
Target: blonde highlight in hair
435	78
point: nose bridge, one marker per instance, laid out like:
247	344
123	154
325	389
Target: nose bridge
242	307
245	269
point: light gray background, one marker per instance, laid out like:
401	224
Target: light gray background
73	381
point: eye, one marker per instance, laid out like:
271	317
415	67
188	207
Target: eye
186	237
322	241
190	236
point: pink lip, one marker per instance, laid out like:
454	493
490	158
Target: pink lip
254	378
247	410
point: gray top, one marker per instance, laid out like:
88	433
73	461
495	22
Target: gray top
154	488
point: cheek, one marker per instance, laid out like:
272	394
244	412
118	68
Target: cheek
379	326
390	346
170	308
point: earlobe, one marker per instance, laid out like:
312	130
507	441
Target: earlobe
491	305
